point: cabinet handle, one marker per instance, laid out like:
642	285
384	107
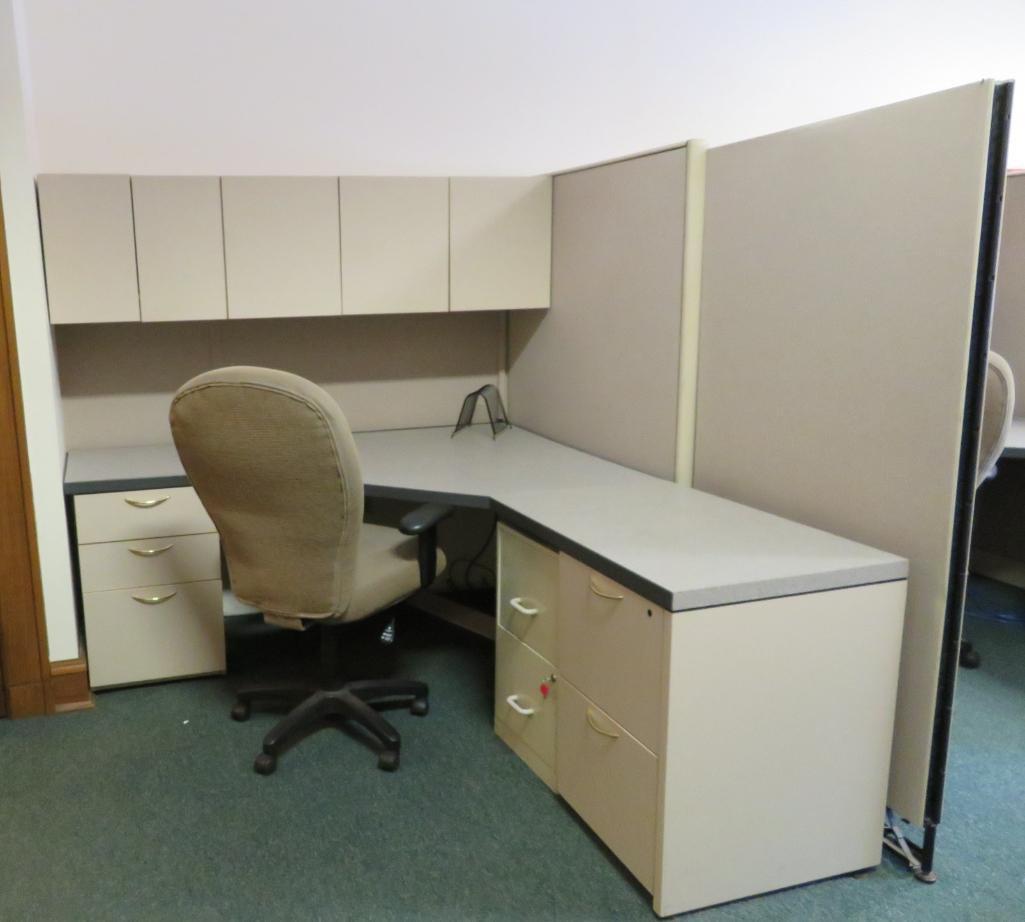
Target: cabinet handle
146	503
517	603
603	594
154	599
517	707
594	726
149	551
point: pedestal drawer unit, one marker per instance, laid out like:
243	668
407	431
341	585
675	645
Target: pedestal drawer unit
150	574
674	727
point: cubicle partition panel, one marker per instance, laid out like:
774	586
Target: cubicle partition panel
844	322
602	370
387	372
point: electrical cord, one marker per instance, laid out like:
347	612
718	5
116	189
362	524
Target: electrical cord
471	563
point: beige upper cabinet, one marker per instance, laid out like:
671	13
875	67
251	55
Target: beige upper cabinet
281	246
394	245
501	240
89	247
180	247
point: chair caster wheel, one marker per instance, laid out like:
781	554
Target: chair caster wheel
265	764
419	707
969	657
240	711
388	761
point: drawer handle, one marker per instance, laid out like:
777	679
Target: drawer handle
517	707
146	503
603	594
612	735
154	599
517	603
149	551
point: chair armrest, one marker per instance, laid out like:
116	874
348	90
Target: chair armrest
423	523
423	518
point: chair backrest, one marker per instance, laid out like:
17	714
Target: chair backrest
273	460
996	414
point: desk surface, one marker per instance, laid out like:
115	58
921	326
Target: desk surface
679	547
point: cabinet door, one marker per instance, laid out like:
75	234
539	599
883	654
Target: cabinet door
89	248
281	246
394	245
501	232
180	247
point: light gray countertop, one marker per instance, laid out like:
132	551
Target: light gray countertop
679	547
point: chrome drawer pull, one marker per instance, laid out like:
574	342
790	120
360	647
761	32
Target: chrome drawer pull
149	551
609	733
605	595
154	599
517	707
517	603
146	503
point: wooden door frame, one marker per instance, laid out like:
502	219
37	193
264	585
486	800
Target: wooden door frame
24	653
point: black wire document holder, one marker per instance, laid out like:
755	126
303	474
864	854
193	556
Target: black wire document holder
492	401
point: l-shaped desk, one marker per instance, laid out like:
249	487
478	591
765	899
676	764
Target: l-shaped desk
693	676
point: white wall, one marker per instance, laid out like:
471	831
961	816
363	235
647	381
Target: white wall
32	331
464	86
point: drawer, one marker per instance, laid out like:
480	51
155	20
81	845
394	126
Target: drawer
149	561
610	779
519	674
610	647
140	514
132	641
528	590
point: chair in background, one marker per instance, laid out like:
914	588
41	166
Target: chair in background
997	413
273	460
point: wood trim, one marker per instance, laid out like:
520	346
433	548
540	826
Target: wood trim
24	654
69	686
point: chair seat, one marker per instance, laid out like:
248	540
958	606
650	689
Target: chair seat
387	571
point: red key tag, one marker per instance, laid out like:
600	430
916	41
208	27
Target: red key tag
545	688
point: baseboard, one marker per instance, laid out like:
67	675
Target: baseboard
996	566
69	686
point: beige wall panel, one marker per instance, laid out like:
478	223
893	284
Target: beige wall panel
501	238
1008	334
779	715
89	248
838	289
281	246
386	372
180	245
601	370
394	245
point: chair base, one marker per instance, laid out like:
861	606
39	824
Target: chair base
969	658
353	702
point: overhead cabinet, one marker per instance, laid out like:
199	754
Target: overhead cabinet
394	244
180	247
156	248
501	243
89	247
281	246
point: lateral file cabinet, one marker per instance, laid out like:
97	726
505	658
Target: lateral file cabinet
719	753
150	569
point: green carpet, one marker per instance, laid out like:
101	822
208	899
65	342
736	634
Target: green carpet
147	808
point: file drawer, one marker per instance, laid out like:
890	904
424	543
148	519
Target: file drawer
149	561
140	514
610	647
524	716
156	632
528	590
610	779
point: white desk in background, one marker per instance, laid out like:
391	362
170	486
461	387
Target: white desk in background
721	681
1014	447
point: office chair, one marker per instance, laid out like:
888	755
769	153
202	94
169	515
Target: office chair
273	460
997	413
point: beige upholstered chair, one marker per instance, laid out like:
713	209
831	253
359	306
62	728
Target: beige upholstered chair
272	459
997	412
